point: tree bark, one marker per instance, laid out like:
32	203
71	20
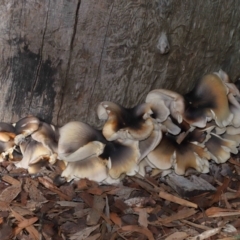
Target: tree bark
60	58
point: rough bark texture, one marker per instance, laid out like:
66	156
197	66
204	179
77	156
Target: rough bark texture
60	58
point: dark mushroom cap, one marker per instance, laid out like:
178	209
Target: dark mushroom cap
125	123
208	100
122	156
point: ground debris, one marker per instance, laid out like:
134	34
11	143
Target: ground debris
197	206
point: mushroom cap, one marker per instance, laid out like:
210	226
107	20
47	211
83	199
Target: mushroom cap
125	123
234	109
220	149
36	167
185	158
208	100
149	144
27	125
7	127
32	152
235	138
79	141
122	156
161	156
171	127
48	135
92	168
164	103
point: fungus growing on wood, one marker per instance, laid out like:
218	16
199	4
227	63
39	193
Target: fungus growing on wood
32	152
25	127
7	135
164	103
208	100
39	131
78	141
125	123
123	157
220	149
92	168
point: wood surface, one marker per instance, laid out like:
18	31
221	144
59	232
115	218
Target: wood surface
60	58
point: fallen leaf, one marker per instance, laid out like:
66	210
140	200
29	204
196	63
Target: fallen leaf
135	228
83	234
182	214
10	193
221	212
177	236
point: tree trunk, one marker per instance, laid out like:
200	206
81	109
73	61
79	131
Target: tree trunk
60	58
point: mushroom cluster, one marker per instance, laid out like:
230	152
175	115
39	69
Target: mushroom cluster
168	131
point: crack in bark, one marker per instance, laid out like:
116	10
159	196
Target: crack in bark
100	57
70	58
40	59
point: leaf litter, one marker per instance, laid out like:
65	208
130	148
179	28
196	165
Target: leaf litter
155	207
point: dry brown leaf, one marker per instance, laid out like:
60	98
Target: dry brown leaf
143	217
116	219
4	206
83	234
182	214
46	183
31	188
6	232
220	190
25	223
10	193
135	228
88	199
94	237
31	229
221	212
177	200
11	180
177	236
97	208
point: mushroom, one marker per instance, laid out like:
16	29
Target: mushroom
149	144
181	156
48	135
32	152
92	168
123	157
164	103
125	123
208	100
25	127
189	155
39	131
7	135
78	141
220	149
161	156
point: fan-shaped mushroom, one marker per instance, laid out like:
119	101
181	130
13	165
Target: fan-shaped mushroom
78	141
123	157
25	127
164	103
32	152
208	100
220	149
7	135
92	168
125	123
39	131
